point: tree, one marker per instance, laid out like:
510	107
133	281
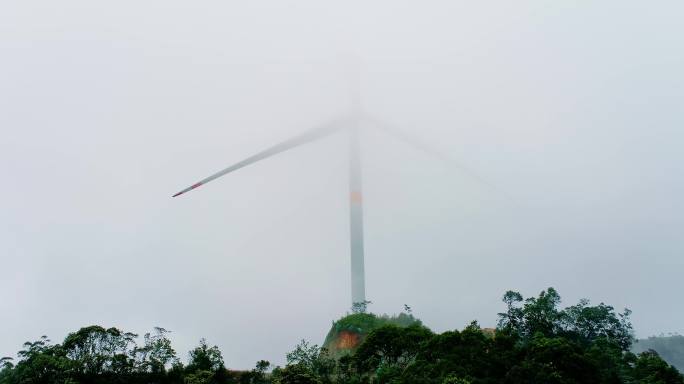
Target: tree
389	349
205	358
41	362
313	358
553	360
295	374
96	350
200	377
512	318
361	306
304	354
651	369
466	354
589	323
669	347
157	353
581	322
258	374
6	366
6	363
540	314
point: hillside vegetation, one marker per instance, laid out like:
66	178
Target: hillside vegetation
670	348
536	342
347	333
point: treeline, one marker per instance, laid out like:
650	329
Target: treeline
670	348
535	342
98	355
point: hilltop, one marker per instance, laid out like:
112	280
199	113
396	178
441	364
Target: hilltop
347	333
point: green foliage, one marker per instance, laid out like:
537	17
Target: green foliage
6	367
295	374
40	362
582	323
362	324
157	354
360	307
670	348
199	377
391	348
463	354
537	342
258	374
311	358
6	363
537	315
455	380
205	358
651	369
553	360
95	351
304	354
94	355
589	323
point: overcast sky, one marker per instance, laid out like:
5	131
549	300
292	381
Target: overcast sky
572	110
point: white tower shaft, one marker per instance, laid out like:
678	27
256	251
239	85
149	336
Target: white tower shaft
358	278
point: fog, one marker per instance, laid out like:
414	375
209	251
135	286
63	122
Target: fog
571	112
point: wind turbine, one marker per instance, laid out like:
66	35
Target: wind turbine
351	125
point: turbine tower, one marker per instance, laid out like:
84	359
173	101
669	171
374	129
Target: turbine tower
358	274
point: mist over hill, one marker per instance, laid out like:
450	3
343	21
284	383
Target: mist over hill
670	348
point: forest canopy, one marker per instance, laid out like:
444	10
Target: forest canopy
536	341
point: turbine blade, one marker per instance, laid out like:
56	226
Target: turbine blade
415	142
304	138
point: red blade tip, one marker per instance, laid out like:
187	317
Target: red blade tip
187	189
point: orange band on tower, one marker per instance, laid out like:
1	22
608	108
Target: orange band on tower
356	197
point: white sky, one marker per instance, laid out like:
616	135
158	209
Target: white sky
572	109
